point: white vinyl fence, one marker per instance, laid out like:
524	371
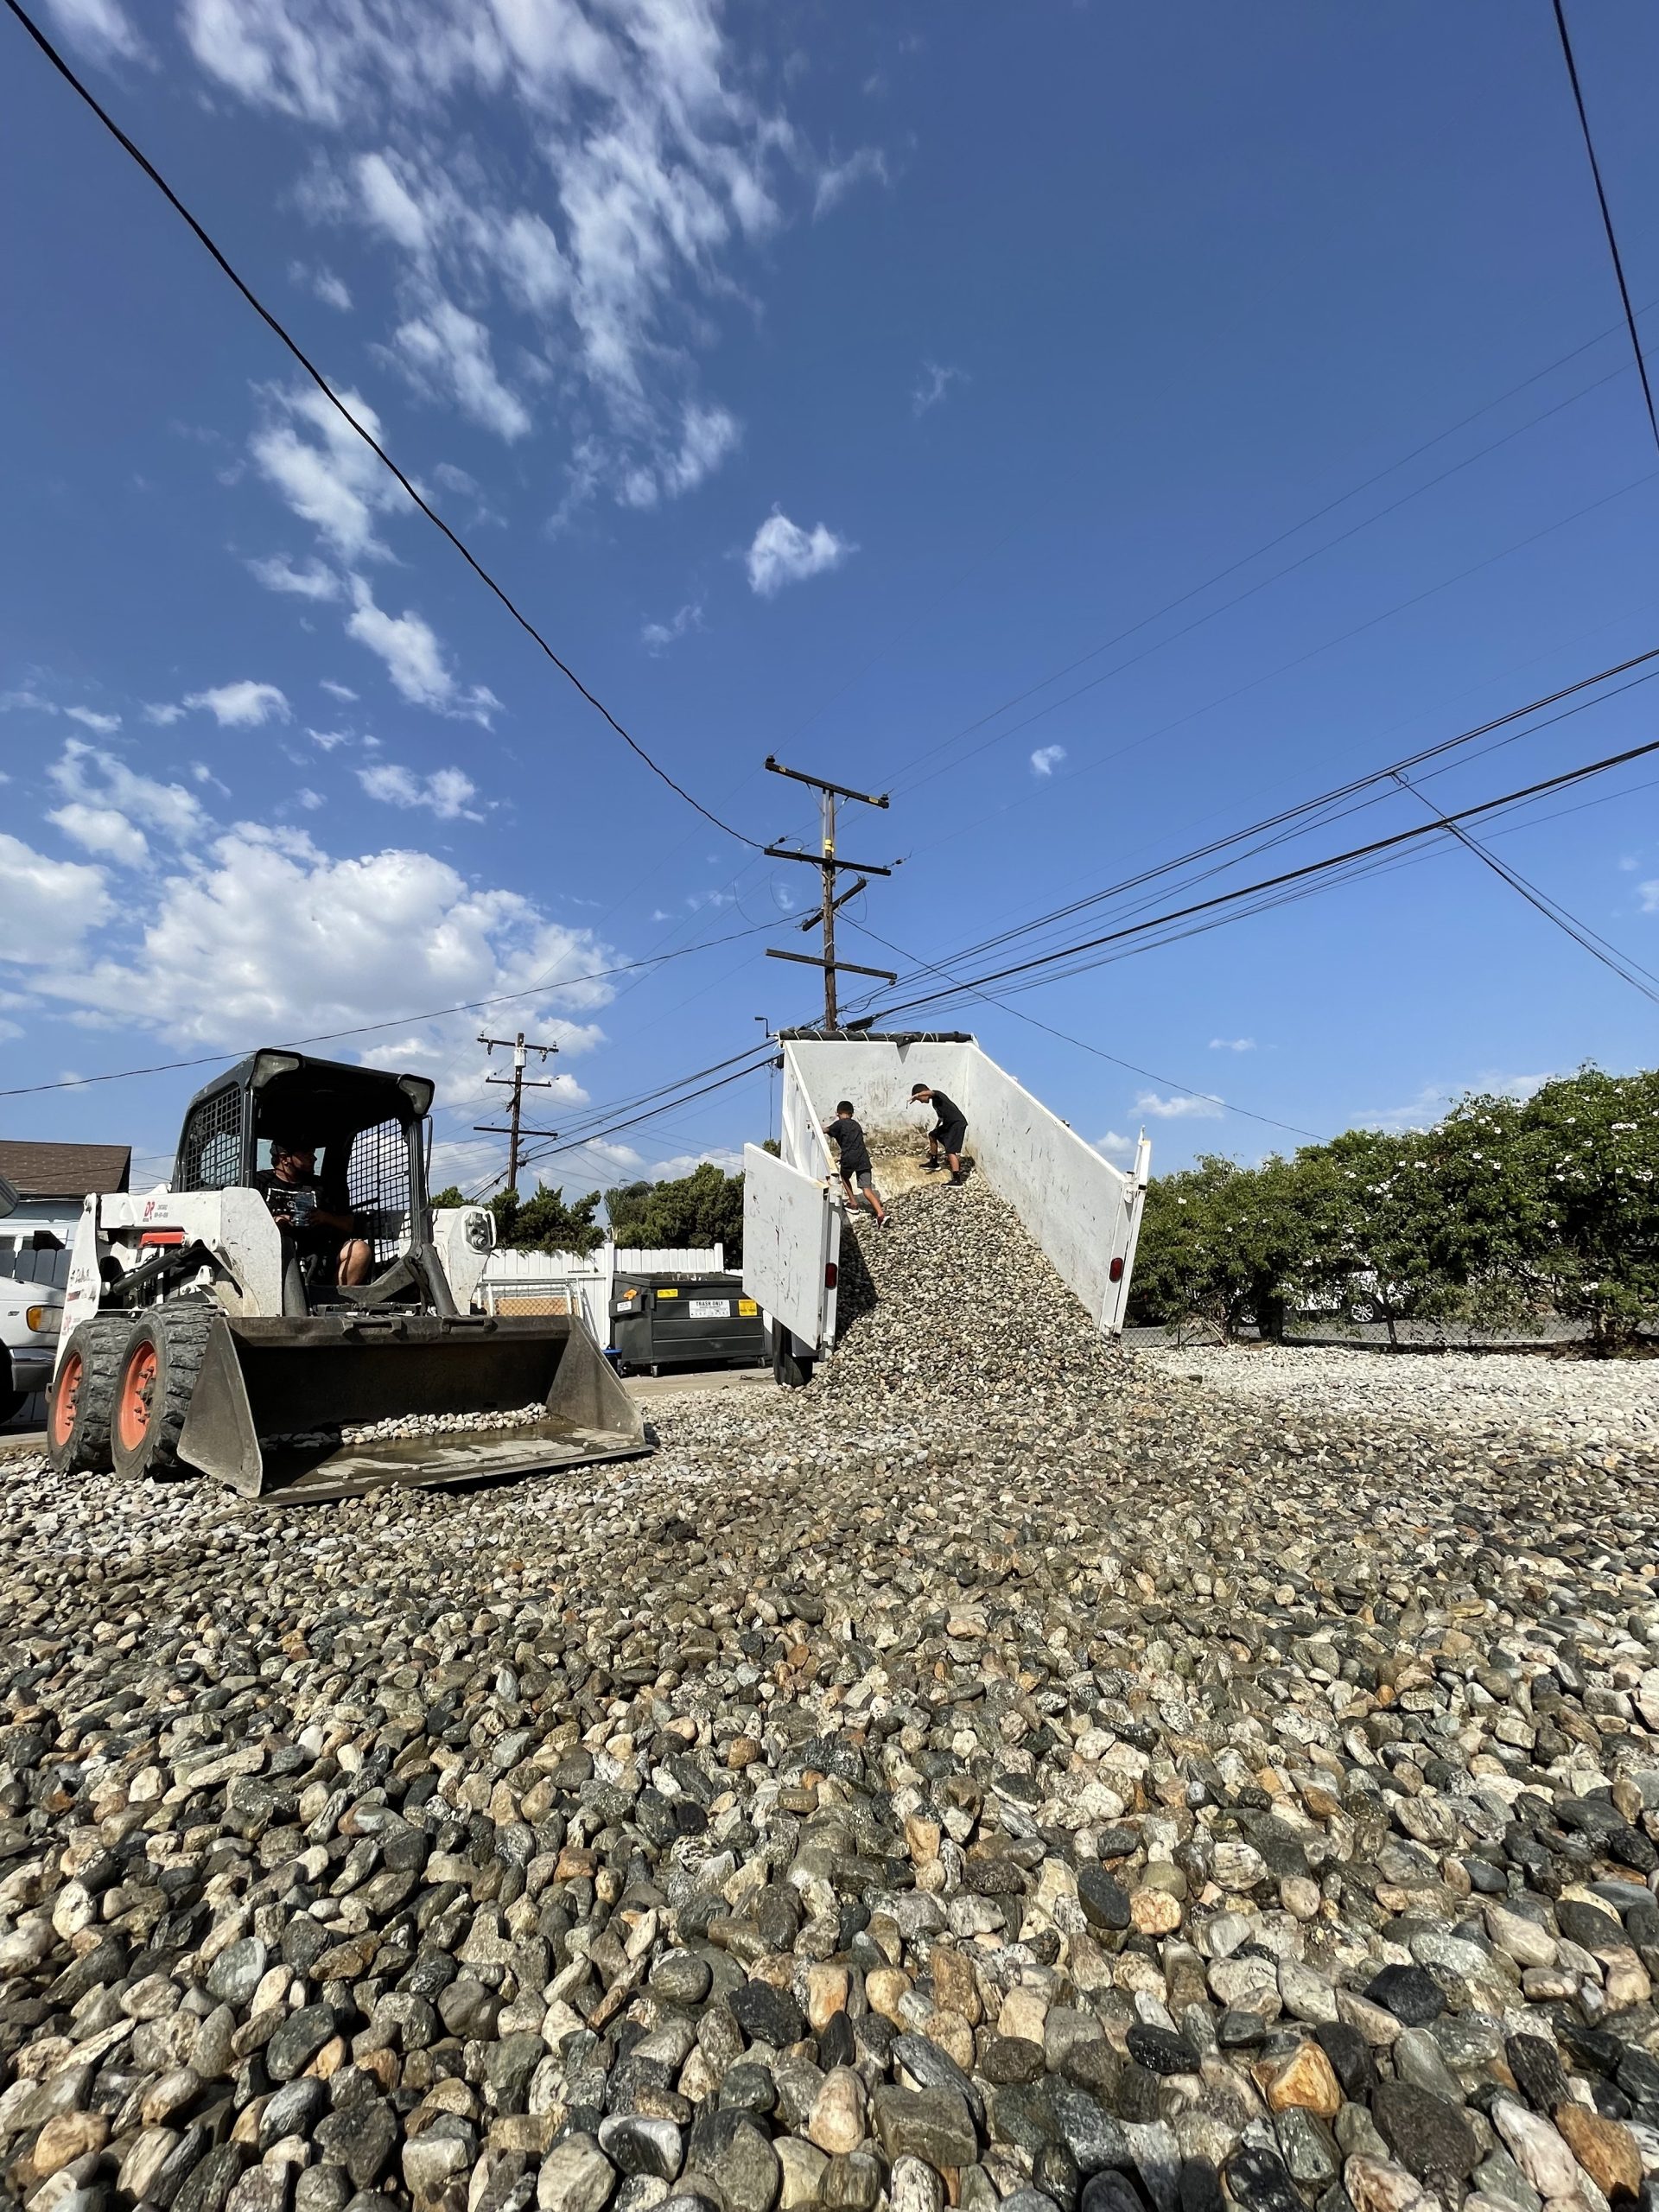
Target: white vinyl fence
568	1282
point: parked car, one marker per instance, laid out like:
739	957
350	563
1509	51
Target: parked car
31	1314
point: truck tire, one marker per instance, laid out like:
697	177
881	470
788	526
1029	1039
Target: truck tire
160	1362
82	1397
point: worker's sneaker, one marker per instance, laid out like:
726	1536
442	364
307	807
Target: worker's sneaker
959	1177
933	1166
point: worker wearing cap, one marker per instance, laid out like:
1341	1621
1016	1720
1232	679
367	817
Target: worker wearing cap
950	1129
855	1166
320	1227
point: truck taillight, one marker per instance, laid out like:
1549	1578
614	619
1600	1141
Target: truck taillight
1115	1271
830	1274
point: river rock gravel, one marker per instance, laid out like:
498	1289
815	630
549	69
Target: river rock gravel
1001	1773
1499	1399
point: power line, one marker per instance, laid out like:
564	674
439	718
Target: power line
1606	217
669	1106
1551	909
1082	1045
908	781
369	439
1291	876
1292	815
397	1021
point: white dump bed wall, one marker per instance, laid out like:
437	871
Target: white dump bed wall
1084	1212
791	1235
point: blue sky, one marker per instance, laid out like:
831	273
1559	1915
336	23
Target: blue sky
818	379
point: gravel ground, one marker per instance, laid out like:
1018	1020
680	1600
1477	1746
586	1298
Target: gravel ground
1503	1399
998	1774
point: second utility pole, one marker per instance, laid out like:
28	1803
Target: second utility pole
826	861
520	1083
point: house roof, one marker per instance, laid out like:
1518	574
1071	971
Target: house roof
63	1171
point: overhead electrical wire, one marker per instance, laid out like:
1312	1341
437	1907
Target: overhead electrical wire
397	1021
1082	1045
580	1143
908	781
1304	808
1628	971
1289	878
1606	217
281	332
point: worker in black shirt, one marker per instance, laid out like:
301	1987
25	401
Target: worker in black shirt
316	1217
949	1132
854	1160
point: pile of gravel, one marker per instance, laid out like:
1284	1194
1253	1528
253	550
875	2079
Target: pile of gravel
1503	1399
1000	1773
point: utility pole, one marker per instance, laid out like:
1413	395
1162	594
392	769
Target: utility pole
520	1082
826	861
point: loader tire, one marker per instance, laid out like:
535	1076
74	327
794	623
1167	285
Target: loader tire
160	1362
81	1400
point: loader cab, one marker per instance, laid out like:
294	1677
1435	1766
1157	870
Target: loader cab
366	1128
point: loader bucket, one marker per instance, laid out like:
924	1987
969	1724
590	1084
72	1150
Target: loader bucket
274	1394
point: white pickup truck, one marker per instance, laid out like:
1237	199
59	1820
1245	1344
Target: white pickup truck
1083	1212
32	1262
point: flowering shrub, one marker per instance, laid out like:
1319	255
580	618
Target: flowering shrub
1508	1211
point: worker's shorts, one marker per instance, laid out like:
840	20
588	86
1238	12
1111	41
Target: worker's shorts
864	1177
951	1137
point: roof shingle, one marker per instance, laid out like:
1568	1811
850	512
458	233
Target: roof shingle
63	1171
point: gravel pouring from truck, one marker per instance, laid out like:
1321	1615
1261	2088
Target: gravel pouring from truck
200	1332
1081	1211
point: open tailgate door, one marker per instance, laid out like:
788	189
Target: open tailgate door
791	1248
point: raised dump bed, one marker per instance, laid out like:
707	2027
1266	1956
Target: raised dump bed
1083	1212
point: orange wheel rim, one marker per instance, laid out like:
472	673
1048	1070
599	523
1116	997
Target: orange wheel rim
134	1400
65	1398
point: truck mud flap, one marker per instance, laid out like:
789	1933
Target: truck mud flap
274	1394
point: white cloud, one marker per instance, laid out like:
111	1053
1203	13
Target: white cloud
327	740
338	690
1650	895
271	937
29	701
331	289
314	459
624	166
101	29
101	725
1185	1108
310	800
1046	759
658	635
101	829
100	781
447	352
727	1159
315	581
783	553
838	178
1434	1100
936	379
414	659
245	705
166	716
47	906
445	792
1115	1147
1232	1044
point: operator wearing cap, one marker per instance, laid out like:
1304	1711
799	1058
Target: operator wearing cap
321	1223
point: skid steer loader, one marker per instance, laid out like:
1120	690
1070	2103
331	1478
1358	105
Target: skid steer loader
198	1335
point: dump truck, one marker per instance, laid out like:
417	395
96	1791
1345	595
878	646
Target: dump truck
206	1330
1083	1211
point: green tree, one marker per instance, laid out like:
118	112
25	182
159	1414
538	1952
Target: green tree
1222	1242
1382	1245
705	1207
546	1223
450	1195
